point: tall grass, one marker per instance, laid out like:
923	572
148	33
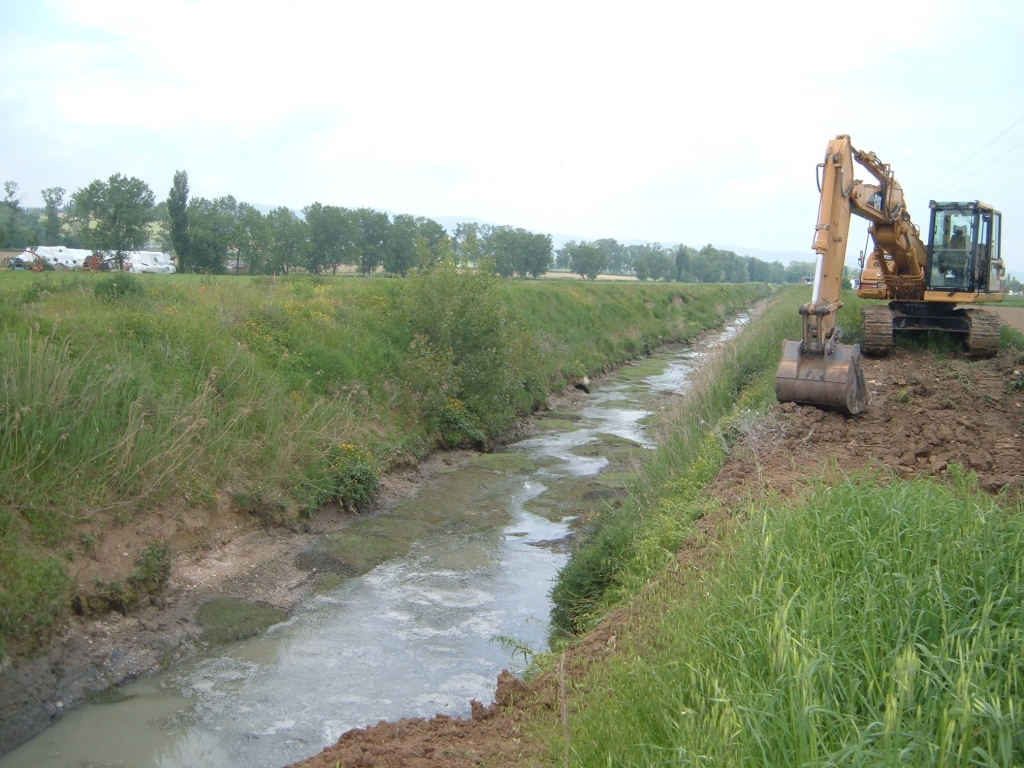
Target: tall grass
122	392
867	625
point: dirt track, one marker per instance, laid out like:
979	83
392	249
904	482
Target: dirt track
925	413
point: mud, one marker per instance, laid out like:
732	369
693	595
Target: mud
926	413
232	576
221	554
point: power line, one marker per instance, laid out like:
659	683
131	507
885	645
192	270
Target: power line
966	160
986	165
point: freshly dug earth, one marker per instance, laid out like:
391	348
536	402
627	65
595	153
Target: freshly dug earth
926	413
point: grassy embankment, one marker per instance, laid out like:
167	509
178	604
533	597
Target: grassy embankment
866	624
124	394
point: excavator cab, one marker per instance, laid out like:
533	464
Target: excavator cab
964	250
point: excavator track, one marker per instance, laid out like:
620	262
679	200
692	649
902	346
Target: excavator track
877	331
983	336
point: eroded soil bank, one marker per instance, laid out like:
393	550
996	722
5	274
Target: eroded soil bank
222	553
925	413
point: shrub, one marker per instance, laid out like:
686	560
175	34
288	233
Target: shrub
153	568
476	349
345	474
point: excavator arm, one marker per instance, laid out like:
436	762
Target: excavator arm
898	248
818	370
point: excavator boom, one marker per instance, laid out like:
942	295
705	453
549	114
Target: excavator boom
818	370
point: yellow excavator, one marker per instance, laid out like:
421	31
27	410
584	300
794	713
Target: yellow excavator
961	264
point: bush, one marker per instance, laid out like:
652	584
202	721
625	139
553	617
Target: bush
468	348
345	474
153	568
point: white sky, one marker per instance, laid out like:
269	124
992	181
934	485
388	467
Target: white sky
659	121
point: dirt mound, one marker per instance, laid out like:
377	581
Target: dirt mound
926	413
491	737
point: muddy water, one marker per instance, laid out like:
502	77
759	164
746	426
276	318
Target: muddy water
418	635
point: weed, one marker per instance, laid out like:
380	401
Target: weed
517	646
118	287
459	427
345	474
35	595
153	568
354	475
88	542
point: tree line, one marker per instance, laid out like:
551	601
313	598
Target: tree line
218	235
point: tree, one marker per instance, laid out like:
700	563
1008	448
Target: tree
617	254
588	261
433	235
288	238
116	213
53	199
650	261
563	256
400	246
10	213
765	272
252	239
796	271
503	244
465	232
333	234
470	250
373	233
211	227
681	257
12	199
539	255
177	212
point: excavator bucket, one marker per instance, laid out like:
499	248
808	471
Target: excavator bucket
834	380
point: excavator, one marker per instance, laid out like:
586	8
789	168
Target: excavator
923	284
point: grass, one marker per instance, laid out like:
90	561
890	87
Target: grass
868	625
865	624
119	393
624	547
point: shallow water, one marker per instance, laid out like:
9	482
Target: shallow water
416	636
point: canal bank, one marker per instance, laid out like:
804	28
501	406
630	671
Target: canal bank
588	456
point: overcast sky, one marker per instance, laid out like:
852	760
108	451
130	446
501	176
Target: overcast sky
658	121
